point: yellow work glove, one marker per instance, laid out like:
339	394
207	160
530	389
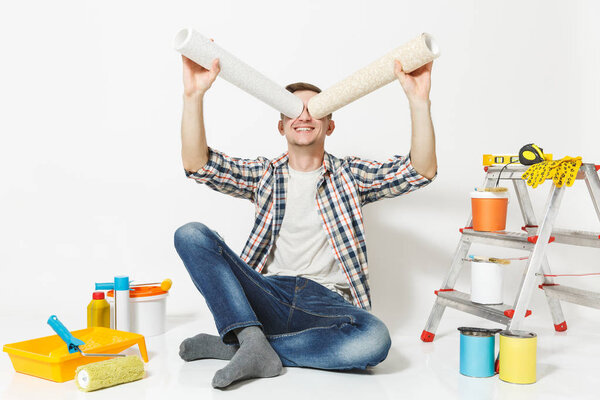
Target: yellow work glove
563	171
566	172
538	173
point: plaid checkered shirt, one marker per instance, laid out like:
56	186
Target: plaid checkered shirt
345	186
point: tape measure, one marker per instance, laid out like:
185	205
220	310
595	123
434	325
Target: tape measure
531	154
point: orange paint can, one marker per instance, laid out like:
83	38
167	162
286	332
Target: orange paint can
489	210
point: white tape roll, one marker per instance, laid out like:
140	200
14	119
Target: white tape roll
411	55
203	51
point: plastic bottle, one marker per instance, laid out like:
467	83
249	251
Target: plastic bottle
122	304
98	311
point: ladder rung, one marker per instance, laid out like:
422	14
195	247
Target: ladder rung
515	240
573	295
572	237
462	301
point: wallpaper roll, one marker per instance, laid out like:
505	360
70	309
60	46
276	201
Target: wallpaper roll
203	51
411	55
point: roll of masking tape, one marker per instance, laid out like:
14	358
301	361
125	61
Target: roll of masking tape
517	359
203	51
412	55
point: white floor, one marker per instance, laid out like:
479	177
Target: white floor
568	367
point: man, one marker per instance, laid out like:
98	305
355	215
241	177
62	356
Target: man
298	295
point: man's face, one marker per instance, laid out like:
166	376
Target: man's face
305	130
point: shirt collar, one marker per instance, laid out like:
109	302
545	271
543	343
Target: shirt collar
328	162
284	158
281	160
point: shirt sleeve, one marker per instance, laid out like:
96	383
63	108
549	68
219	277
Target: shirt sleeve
236	177
377	180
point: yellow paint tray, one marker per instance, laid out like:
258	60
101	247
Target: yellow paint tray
49	358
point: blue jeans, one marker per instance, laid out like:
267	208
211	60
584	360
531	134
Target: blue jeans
307	324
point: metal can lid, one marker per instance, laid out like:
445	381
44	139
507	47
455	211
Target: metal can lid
471	331
518	334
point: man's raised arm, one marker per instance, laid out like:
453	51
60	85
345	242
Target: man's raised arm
196	81
417	85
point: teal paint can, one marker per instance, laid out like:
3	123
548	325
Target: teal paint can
477	347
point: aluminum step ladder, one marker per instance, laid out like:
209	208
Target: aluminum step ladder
534	239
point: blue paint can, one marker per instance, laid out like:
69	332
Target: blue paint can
477	351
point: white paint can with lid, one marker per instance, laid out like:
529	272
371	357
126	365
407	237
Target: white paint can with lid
148	309
487	280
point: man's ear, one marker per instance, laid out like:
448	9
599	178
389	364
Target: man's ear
330	128
280	127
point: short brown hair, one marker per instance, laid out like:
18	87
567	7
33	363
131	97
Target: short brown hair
294	87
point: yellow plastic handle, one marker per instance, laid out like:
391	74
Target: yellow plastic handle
166	285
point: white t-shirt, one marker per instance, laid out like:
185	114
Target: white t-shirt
302	247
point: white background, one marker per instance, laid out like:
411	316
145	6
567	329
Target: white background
92	182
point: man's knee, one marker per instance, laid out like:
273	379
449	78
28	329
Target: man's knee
370	346
377	343
192	232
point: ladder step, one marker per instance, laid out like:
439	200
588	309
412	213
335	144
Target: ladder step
515	240
572	237
462	301
573	295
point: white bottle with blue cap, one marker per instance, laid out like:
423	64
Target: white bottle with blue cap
122	304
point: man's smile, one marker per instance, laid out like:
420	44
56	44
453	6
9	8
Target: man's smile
303	128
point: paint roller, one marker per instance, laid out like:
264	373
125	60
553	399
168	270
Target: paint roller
102	374
412	55
203	51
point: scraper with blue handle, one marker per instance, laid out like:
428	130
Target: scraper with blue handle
72	342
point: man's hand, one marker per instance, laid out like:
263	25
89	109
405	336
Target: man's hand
417	84
197	79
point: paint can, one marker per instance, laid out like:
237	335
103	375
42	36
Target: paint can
477	351
148	309
486	282
518	356
489	211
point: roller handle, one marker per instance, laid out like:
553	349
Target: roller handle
64	334
105	286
